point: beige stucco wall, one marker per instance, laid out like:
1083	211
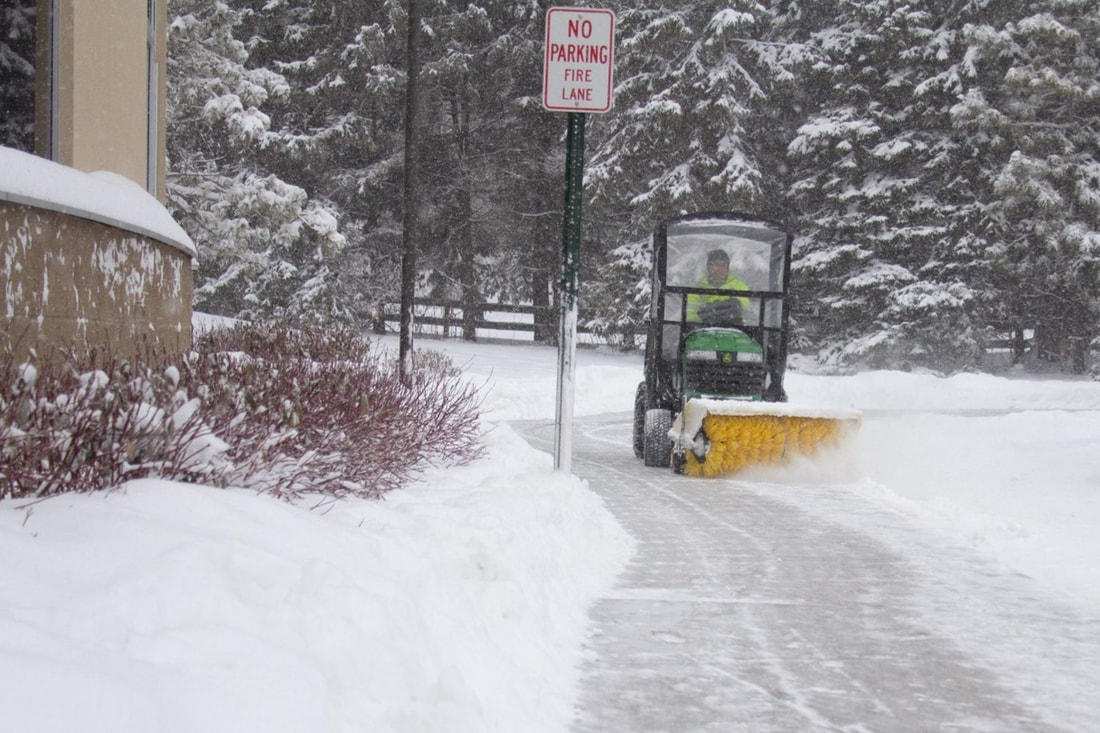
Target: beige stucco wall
104	90
73	283
109	83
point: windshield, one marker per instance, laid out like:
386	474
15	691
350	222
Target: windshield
755	253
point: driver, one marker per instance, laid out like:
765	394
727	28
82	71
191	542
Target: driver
718	277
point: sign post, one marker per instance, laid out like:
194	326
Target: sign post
577	78
567	322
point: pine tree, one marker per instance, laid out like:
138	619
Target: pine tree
17	48
339	133
688	77
871	163
694	82
938	160
1031	113
266	247
492	155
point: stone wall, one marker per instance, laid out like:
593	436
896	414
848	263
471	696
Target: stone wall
67	282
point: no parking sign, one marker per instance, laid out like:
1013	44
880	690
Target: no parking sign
579	60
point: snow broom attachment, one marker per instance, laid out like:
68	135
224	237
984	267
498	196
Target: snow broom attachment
713	437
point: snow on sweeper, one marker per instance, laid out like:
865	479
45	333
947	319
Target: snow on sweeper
713	400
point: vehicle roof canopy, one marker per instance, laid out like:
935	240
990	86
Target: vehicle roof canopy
757	251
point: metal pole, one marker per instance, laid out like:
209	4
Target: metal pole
571	246
410	195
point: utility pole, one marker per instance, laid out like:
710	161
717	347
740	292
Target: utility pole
410	195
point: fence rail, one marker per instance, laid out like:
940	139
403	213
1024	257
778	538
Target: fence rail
486	322
524	323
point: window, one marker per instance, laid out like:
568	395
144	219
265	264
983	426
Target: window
18	34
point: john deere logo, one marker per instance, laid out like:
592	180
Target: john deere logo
727	357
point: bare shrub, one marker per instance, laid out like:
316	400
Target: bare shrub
80	424
281	412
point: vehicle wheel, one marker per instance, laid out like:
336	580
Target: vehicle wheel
658	446
639	421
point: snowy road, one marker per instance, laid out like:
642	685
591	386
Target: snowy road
792	607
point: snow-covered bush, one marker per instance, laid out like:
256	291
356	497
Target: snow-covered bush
285	413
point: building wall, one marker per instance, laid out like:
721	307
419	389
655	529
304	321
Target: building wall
70	278
93	108
73	283
108	53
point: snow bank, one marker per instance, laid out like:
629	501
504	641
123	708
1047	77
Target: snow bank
458	604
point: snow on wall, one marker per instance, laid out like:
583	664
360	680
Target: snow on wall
104	197
67	281
89	260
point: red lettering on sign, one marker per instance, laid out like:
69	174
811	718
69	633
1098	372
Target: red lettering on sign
579	53
576	95
582	27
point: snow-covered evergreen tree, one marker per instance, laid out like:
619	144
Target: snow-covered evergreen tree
475	91
1030	115
938	160
266	247
693	82
689	76
493	165
333	132
874	190
17	49
339	131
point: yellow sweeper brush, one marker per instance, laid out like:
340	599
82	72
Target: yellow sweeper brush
713	401
721	437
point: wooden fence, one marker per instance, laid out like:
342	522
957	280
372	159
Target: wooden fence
512	323
489	322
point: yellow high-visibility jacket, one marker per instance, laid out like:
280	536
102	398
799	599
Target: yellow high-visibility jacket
695	301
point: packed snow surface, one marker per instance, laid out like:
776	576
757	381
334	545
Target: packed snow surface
460	603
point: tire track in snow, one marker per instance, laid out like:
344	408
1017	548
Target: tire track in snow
745	611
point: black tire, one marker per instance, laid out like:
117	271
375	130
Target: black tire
658	446
639	421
